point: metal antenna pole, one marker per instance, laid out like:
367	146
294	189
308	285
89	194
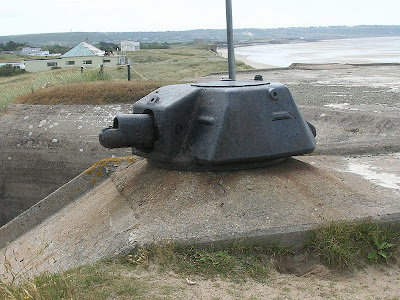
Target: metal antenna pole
229	33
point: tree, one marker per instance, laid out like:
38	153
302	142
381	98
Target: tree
57	49
109	47
11	46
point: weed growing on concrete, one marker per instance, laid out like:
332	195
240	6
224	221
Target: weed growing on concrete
341	245
237	261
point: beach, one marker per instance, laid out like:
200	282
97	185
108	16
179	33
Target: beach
245	58
357	50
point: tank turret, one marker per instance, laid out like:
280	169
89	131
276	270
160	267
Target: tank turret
211	126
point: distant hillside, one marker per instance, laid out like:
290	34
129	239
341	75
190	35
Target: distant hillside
209	35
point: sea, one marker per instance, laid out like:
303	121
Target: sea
355	50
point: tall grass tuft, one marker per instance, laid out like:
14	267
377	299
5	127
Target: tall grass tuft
230	263
13	87
344	244
92	93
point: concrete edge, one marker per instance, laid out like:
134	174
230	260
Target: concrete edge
294	237
60	198
356	148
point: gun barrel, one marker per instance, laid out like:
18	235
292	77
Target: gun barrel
134	130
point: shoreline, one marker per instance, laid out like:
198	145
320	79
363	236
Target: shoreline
244	58
339	51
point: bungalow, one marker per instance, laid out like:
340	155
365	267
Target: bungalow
82	55
127	46
34	51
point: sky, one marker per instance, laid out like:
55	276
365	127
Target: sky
44	16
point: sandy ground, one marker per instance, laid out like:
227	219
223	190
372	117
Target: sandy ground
372	282
244	58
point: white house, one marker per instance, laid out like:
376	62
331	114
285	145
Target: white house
34	51
82	55
127	46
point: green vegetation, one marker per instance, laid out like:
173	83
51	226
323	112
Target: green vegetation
4	58
11	46
341	245
154	45
91	92
165	66
130	277
10	70
109	47
338	245
15	86
237	261
57	49
178	63
98	281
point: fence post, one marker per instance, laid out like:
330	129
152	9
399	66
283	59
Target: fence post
129	72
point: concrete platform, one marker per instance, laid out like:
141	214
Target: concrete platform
354	174
139	204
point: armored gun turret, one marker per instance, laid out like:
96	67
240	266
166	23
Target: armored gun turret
211	126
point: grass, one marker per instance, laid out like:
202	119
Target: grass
237	261
13	87
165	66
342	245
97	281
4	58
9	70
179	63
90	93
130	277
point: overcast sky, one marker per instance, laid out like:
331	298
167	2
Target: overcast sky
42	16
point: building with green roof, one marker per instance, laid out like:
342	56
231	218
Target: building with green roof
83	55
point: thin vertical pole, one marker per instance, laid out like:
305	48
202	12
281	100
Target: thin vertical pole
129	72
229	33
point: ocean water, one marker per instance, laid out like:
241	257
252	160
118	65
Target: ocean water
358	50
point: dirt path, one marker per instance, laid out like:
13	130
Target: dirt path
314	282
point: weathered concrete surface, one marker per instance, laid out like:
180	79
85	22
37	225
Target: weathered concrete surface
60	198
354	174
140	204
43	147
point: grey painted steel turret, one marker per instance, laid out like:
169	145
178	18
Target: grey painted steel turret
211	126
